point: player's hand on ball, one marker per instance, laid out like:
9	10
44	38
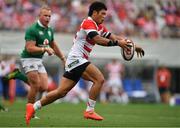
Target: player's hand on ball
49	50
140	52
128	54
124	44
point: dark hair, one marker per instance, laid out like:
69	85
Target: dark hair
96	6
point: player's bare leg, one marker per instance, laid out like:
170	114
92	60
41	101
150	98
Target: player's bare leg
43	87
93	74
43	82
65	86
34	81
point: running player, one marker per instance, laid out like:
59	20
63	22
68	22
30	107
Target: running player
91	32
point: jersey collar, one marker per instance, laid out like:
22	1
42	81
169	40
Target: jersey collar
89	18
40	24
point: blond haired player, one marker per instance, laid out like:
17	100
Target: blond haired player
39	39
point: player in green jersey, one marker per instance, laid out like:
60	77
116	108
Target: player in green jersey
39	39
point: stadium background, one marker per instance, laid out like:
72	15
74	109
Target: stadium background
154	24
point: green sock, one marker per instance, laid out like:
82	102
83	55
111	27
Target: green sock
1	107
22	77
17	74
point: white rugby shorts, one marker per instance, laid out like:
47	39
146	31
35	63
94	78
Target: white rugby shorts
33	64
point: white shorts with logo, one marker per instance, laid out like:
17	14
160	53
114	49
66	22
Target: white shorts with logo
73	62
33	64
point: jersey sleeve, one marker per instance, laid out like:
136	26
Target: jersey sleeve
105	29
89	26
30	35
52	32
105	32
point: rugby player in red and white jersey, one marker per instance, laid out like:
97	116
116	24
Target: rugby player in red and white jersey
114	86
91	32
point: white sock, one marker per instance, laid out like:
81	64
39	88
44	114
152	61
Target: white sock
37	105
90	105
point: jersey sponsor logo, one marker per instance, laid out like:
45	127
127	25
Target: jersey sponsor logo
46	42
41	33
73	63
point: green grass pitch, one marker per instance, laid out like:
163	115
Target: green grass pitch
116	115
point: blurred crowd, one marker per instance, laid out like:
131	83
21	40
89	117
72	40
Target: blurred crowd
156	19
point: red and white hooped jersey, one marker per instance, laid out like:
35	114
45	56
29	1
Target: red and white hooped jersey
114	70
82	45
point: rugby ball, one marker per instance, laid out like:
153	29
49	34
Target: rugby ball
128	54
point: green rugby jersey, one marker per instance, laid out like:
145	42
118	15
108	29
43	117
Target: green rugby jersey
41	35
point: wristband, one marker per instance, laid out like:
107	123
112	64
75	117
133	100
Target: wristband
62	58
43	49
112	43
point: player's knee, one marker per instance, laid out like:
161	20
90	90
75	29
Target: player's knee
35	82
34	85
100	80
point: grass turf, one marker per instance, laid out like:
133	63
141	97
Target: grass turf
71	115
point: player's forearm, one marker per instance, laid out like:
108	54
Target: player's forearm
35	49
115	37
102	41
57	51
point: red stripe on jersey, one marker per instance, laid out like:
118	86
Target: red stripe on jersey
87	49
85	56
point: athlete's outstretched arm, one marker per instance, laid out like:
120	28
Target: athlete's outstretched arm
108	42
116	37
